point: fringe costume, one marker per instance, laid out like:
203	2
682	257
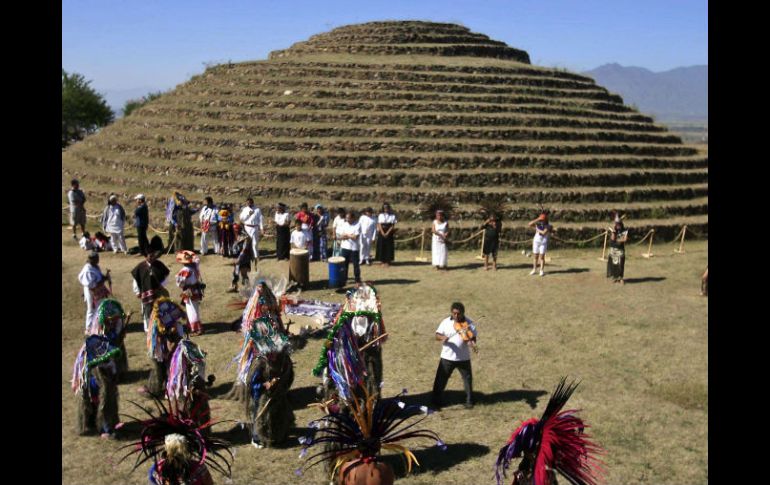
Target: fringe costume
189	280
94	381
110	321
148	285
165	332
277	417
186	384
616	261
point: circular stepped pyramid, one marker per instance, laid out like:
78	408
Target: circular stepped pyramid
398	111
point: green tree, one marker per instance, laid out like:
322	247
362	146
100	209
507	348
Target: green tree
83	110
134	104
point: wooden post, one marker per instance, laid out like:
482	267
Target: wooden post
681	243
422	248
481	256
604	248
649	248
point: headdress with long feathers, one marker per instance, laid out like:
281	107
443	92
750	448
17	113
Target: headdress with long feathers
556	441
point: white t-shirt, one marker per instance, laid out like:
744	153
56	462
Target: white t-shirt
209	214
349	229
282	219
252	219
455	349
384	218
298	240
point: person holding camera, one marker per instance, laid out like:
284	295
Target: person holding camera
189	280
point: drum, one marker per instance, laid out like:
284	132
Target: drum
338	272
299	267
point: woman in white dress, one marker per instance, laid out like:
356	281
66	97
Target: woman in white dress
440	231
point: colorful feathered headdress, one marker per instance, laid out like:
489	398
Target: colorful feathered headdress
109	318
178	447
96	350
372	426
555	442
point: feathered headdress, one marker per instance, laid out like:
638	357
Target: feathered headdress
554	442
187	363
493	205
436	202
264	337
108	319
365	303
177	446
263	297
372	426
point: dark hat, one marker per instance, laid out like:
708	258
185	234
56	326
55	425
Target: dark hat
93	255
156	245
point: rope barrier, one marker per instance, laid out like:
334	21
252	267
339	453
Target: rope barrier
515	242
678	236
468	238
579	242
408	239
695	233
644	238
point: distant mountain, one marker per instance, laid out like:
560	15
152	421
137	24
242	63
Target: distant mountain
680	94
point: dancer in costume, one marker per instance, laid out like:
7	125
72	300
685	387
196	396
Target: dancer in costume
95	382
368	235
616	262
554	443
189	280
225	230
353	440
180	449
167	328
458	335
180	227
386	224
94	287
209	216
148	278
242	265
265	370
111	321
440	231
187	381
543	231
141	223
369	328
251	217
282	232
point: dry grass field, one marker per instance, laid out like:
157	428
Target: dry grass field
640	350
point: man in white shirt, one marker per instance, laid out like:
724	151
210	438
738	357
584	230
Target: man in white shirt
94	289
251	217
349	232
113	222
209	219
368	234
458	335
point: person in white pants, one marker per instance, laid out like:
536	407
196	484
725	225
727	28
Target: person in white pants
368	235
113	221
94	288
540	243
209	217
251	217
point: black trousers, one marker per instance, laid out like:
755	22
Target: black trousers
141	235
444	371
354	255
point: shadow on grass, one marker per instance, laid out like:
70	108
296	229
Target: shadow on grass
136	326
453	397
240	434
134	375
221	327
219	390
568	270
300	397
394	281
434	459
648	279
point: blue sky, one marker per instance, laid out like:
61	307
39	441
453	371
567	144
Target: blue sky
137	44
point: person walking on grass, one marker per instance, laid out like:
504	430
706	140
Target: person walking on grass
440	230
242	265
368	235
208	219
251	217
77	200
540	243
457	333
113	223
94	287
616	262
141	222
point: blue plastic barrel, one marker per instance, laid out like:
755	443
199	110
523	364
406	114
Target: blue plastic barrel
338	272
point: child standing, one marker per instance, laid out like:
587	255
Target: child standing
189	280
299	239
